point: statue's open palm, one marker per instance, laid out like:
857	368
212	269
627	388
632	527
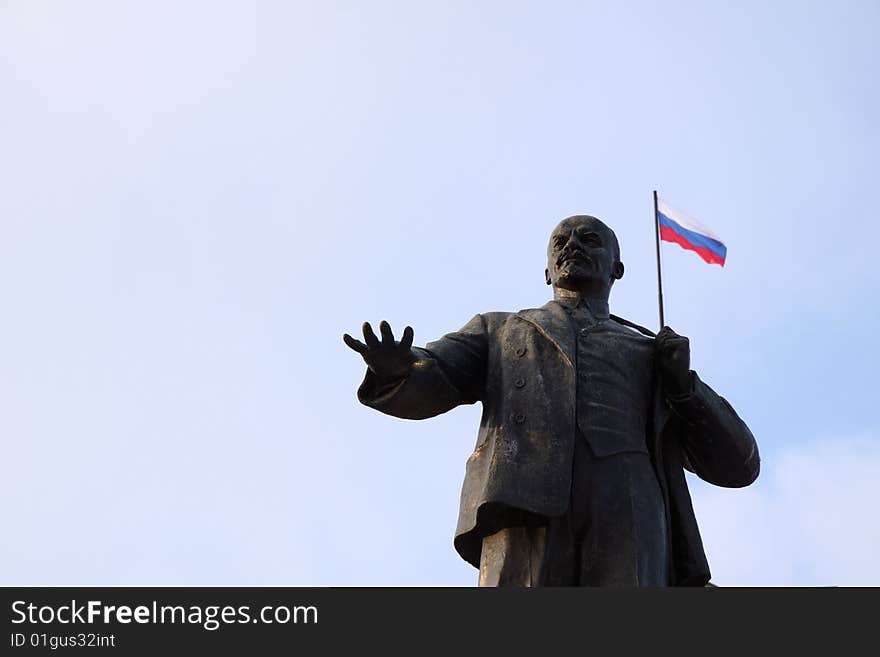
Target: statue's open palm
387	358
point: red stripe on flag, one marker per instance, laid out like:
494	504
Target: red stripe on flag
669	235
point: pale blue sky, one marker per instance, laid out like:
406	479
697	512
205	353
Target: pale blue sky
199	198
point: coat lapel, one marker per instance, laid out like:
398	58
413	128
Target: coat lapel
552	322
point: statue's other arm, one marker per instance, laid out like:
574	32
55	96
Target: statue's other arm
717	444
446	373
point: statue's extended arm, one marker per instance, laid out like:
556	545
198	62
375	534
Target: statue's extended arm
717	444
414	383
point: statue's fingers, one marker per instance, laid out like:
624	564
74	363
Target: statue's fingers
387	335
407	339
357	345
370	337
667	338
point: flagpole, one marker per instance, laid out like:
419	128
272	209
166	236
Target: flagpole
659	277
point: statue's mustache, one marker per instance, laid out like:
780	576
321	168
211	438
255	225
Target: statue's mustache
572	255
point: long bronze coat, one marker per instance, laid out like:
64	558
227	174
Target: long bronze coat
520	366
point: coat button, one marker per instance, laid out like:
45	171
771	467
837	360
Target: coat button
519	383
520	351
519	418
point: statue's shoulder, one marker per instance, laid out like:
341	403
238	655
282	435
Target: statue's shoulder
550	314
551	307
496	318
502	317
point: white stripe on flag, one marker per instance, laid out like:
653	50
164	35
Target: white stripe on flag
685	220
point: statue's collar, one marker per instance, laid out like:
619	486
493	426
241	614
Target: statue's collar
598	308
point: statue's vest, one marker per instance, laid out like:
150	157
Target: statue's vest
614	387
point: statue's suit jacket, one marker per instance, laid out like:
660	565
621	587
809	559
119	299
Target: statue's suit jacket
521	367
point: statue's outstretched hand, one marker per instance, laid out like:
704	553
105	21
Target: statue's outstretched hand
387	359
674	361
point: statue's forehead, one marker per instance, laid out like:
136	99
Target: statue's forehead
570	223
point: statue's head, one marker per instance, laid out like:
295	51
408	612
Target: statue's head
583	256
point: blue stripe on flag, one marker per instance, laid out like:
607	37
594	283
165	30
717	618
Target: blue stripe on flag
696	239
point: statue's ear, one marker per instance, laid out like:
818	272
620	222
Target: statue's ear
617	271
547	276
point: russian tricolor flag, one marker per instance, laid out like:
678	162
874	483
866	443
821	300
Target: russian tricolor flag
687	232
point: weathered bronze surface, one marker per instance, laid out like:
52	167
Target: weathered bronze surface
589	422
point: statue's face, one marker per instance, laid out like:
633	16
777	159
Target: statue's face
583	254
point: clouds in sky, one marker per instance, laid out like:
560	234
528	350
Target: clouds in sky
810	520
